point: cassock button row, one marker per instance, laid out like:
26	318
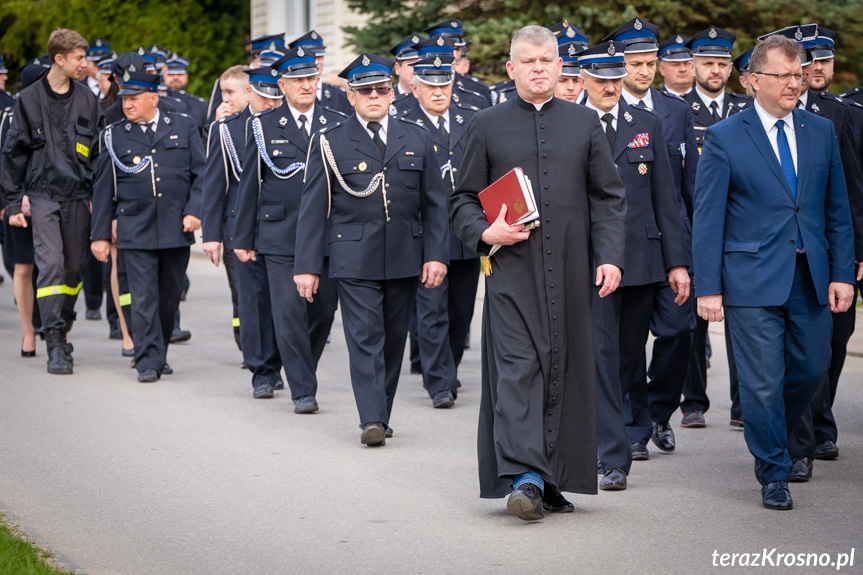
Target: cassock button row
545	155
551	286
545	172
548	236
543	141
546	203
548	252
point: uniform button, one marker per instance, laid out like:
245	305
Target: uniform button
545	155
339	236
389	202
546	203
548	236
551	285
155	165
388	219
455	170
545	171
545	187
548	252
542	126
160	195
266	216
549	269
792	242
158	179
543	141
153	151
547	220
388	185
452	153
385	168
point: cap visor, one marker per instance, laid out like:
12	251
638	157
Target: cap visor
712	54
435	79
304	73
369	80
641	47
125	91
681	57
271	92
606	73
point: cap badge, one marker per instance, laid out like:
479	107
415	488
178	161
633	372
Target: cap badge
366	60
437	62
571	50
440	41
570	33
322	120
362	167
283	121
628	117
696	106
679	39
459	119
454	24
274	72
301	52
611	49
415	39
273	47
98	43
314	35
126	76
638	25
712	32
642	168
799	34
136	160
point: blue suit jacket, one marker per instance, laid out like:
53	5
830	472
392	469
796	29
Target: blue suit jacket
746	219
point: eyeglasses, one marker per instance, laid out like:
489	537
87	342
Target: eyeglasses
783	78
380	91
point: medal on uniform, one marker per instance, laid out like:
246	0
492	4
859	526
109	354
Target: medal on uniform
283	121
642	168
136	160
363	166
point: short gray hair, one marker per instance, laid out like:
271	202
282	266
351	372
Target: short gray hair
533	35
786	46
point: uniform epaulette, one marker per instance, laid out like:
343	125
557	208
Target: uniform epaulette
673	96
648	110
196	97
499	85
122	120
331	128
466	107
267	111
828	96
233	116
418	123
466	91
183	114
334	111
850	92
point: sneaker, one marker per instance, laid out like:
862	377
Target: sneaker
693	419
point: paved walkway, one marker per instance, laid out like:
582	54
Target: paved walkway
191	475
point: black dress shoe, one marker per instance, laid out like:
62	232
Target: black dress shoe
114	332
826	450
775	495
167	370
306	404
613	480
128	352
278	385
525	502
663	437
553	500
736	423
373	435
639	451
180	335
801	470
263	391
93	314
148	376
389	431
443	399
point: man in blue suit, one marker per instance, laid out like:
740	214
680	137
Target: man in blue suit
773	243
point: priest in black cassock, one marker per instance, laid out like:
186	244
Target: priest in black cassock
537	423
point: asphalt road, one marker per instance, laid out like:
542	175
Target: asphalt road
191	475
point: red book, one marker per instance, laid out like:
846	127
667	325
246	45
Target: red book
514	190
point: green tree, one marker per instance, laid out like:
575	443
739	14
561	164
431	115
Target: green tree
208	32
490	25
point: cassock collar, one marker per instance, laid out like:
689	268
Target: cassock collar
522	103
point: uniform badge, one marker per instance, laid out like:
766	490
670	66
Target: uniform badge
798	35
679	39
437	62
301	52
127	127
419	122
136	160
459	119
712	33
362	167
571	50
173	136
641	140
276	152
627	116
454	24
742	104
126	76
611	49
322	120
455	98
314	35
696	106
415	39
642	168
327	94
366	60
816	109
638	25
493	98
570	33
839	100
283	121
274	72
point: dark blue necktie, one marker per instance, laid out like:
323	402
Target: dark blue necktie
787	162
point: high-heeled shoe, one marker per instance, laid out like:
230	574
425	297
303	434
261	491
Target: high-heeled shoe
27	353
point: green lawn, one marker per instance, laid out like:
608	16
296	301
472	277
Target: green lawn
18	557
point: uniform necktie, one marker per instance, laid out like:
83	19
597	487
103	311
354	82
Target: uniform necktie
376	128
442	127
800	105
609	130
787	161
303	129
714	110
151	133
641	105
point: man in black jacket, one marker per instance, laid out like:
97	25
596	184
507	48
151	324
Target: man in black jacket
50	154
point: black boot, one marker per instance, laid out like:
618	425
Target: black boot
58	361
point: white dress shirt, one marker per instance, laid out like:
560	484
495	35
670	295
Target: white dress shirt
634	100
769	123
309	115
613	113
384	123
434	119
707	100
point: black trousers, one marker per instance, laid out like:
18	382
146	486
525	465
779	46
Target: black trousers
255	320
61	240
375	316
321	313
156	282
125	296
695	385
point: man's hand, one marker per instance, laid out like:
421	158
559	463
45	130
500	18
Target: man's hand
213	251
307	285
678	279
101	249
114	231
433	274
502	233
710	307
859	268
224	110
191	223
608	276
18	220
839	296
25	205
245	255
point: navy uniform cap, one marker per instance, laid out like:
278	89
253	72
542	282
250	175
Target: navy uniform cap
265	82
133	83
714	42
261	43
824	43
804	36
742	61
148	57
270	55
368	69
604	61
106	63
311	41
453	27
569	55
435	45
3	69
32	71
567	33
128	62
176	64
405	49
434	69
299	62
637	35
674	49
97	49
